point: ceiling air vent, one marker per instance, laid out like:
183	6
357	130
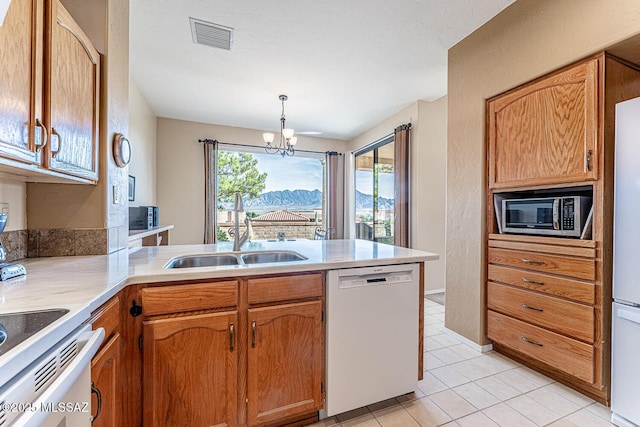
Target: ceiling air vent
210	34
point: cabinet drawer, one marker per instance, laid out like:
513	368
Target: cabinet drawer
566	317
173	299
567	288
273	289
107	317
582	268
565	354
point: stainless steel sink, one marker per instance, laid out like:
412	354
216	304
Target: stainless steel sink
271	256
17	327
246	258
209	260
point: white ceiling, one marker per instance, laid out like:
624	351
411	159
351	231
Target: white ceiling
345	64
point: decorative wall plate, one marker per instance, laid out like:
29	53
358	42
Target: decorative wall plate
121	150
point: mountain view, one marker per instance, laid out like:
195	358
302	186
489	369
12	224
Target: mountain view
304	200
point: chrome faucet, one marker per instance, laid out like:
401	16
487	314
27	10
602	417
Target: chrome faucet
239	240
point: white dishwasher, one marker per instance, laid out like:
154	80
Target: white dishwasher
371	335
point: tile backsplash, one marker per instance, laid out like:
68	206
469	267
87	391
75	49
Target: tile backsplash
21	244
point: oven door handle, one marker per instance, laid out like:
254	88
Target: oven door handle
56	391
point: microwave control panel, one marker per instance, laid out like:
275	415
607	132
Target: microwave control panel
568	214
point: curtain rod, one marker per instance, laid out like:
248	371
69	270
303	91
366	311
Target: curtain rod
215	141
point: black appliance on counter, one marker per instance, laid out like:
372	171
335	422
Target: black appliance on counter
143	217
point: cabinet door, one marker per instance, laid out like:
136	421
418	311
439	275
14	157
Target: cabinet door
105	371
190	371
546	132
21	81
74	84
285	361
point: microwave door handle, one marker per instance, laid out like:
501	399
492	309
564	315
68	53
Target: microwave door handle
556	213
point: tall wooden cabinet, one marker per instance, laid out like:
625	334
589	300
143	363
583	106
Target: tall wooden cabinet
549	298
49	92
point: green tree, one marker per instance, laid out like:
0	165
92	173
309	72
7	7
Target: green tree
238	173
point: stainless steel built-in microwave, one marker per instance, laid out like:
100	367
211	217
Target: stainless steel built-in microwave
554	216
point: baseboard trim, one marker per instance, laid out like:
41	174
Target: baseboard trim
477	347
434	291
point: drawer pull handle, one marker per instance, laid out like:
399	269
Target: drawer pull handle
533	282
525	339
232	336
531	308
532	261
253	334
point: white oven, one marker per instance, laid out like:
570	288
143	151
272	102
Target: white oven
55	390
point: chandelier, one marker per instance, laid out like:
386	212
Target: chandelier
287	140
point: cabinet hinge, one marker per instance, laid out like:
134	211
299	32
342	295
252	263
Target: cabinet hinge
140	342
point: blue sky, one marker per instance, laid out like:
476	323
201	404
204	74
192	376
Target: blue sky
304	173
290	173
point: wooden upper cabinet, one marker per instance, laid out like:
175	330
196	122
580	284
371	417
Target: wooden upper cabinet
285	361
190	370
21	44
546	132
73	92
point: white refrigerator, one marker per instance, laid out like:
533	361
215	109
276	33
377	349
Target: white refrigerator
625	378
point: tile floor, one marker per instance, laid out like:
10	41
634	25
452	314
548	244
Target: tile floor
463	387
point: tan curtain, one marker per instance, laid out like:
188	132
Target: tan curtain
210	176
335	194
401	187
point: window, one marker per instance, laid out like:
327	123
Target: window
374	195
284	197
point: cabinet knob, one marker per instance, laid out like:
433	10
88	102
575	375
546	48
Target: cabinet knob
232	336
253	334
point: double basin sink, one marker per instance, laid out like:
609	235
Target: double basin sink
240	258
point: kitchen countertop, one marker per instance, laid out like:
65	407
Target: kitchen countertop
82	284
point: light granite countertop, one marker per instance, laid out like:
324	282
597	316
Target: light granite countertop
82	284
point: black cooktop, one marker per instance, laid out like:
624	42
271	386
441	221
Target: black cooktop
17	327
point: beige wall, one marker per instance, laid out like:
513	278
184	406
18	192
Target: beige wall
428	178
180	162
526	40
14	191
142	135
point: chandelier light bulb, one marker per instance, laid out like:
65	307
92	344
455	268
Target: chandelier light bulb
268	137
287	133
293	140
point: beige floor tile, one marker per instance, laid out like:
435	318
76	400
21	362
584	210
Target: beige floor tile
553	401
426	412
569	394
432	319
451	424
522	380
473	369
586	418
446	340
497	387
447	355
600	410
367	420
352	414
533	410
453	404
465	351
430	344
430	384
476	395
504	361
477	419
505	416
449	376
395	416
418	394
436	309
432	362
433	330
